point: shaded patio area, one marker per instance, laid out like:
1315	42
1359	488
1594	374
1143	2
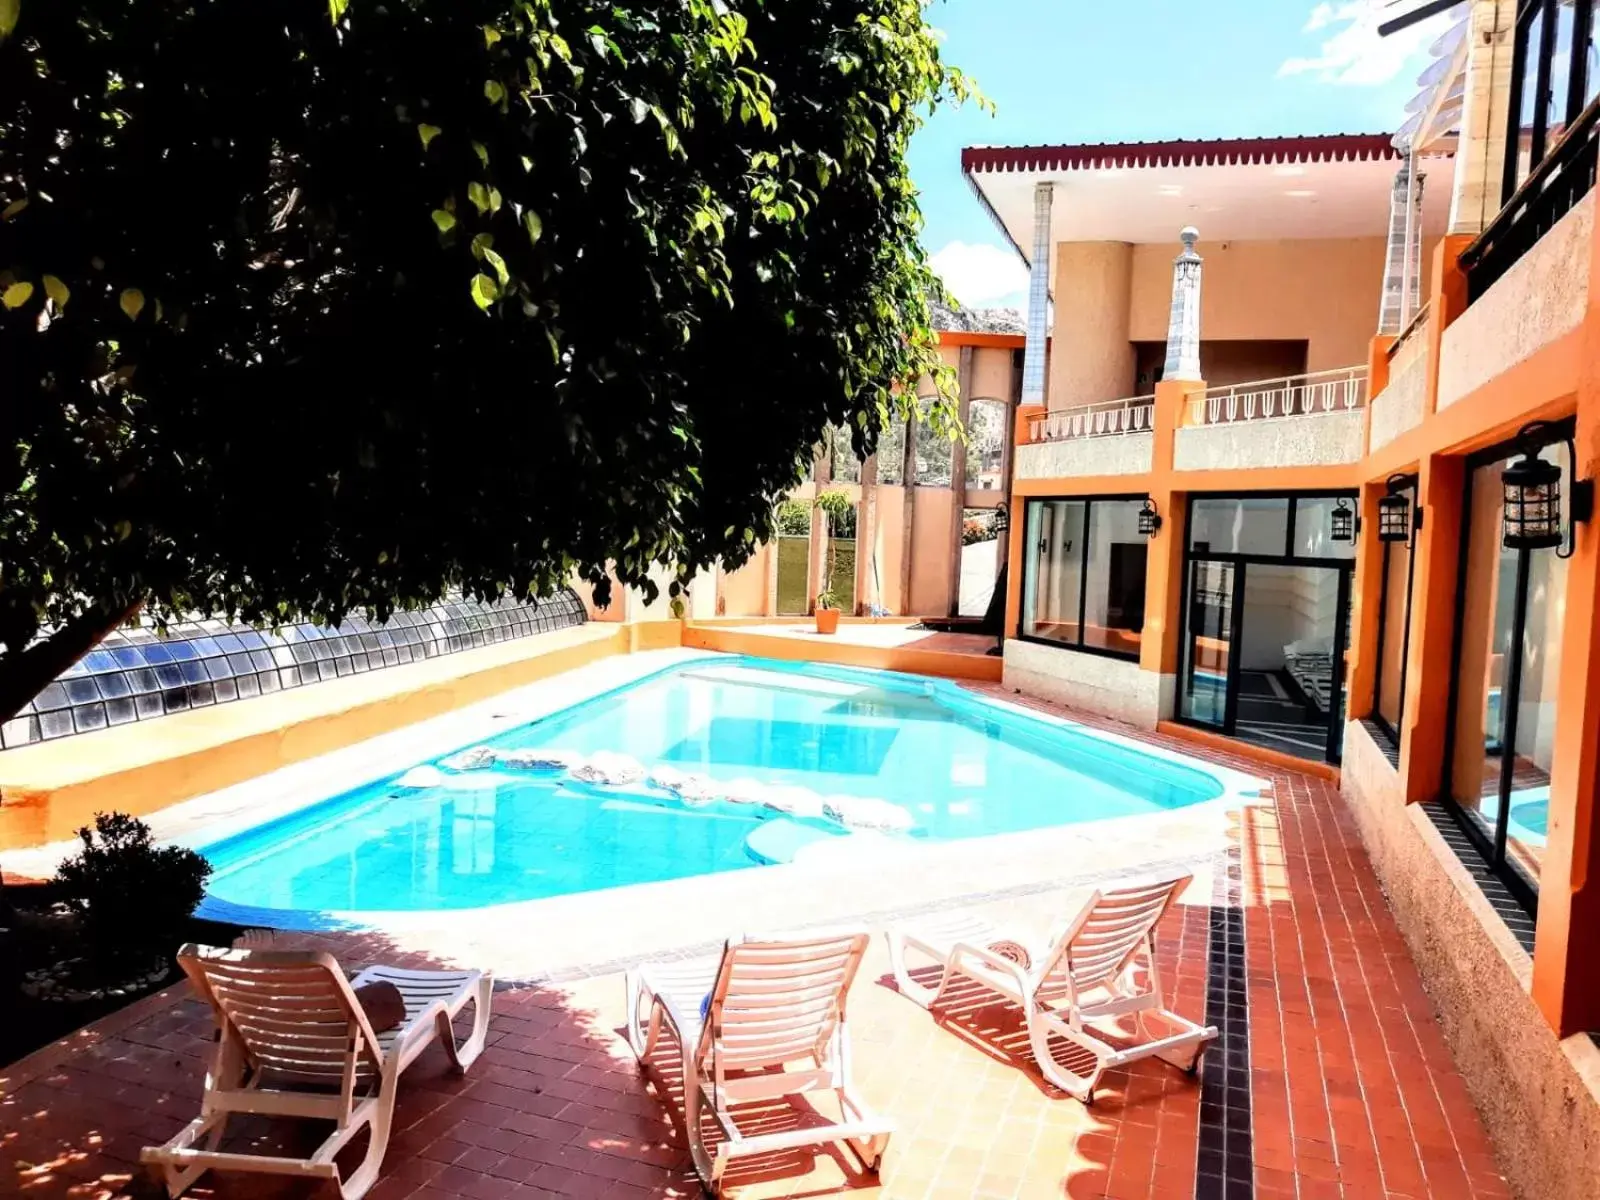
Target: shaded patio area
1331	1078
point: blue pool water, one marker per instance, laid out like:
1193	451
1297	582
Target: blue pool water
959	765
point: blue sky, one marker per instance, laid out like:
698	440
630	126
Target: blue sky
1142	70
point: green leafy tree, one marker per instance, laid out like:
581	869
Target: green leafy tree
309	307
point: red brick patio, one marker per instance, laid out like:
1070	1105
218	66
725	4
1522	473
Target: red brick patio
1348	1089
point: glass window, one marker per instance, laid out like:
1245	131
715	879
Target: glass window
1513	609
1313	528
1113	613
1053	597
1239	525
1394	627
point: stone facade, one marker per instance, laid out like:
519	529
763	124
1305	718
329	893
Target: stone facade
1537	1094
1112	687
1542	297
1399	406
1319	440
1119	454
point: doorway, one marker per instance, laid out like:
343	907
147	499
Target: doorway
1266	621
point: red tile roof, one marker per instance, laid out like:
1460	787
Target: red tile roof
1331	147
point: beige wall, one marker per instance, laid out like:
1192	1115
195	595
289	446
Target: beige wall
743	593
1091	354
930	553
991	374
1322	292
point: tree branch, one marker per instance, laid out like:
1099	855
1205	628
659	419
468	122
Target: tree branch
23	675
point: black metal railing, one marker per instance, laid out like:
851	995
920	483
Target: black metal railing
1552	190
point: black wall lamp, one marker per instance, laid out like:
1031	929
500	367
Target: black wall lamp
1532	496
1342	522
1149	518
1394	511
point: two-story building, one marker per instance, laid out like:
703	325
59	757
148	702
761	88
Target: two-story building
1307	470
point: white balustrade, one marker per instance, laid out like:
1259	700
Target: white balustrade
1116	417
1341	390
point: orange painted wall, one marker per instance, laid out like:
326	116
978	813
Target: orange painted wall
743	592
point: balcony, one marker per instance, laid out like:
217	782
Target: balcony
1400	405
1114	438
1308	420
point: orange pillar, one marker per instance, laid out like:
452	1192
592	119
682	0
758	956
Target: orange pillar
1366	596
1158	650
1431	653
1447	300
1566	954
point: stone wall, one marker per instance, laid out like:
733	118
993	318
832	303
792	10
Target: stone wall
1399	406
1318	440
1118	454
1541	297
1539	1096
1112	687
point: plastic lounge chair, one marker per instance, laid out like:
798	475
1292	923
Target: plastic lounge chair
765	1021
294	1042
1101	965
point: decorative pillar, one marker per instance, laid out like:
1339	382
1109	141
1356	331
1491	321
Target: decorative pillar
1402	271
1183	329
1481	150
1033	355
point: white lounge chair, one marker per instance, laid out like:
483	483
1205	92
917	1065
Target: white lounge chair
294	1042
773	1025
1102	964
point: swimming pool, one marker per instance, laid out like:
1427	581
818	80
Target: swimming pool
770	762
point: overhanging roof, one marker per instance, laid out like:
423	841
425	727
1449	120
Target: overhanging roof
1329	186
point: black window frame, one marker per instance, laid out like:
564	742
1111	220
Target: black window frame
1382	722
1577	81
1029	558
1492	849
1333	752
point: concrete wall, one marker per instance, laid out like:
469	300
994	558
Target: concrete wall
1399	406
744	591
1123	454
1324	439
1111	686
992	374
1537	1094
1541	297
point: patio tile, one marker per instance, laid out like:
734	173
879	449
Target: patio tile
1332	1080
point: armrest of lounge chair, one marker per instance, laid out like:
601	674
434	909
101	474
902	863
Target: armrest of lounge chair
1014	971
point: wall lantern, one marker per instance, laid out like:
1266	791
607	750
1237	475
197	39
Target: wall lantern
1002	520
1394	511
1342	522
1532	506
1149	518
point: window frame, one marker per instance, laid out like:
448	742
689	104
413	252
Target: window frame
1088	502
1539	143
1412	483
1491	848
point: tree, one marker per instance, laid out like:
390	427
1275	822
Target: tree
319	306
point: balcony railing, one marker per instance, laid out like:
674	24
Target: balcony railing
1342	390
1095	420
1552	190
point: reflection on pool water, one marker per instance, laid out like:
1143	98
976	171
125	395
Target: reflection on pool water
959	765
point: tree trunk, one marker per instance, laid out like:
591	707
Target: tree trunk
23	675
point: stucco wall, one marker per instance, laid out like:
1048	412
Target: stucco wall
1399	406
1113	687
1091	355
1325	439
1529	1087
1320	291
991	374
744	591
1541	297
1123	454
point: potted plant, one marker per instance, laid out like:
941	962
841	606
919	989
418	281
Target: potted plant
837	511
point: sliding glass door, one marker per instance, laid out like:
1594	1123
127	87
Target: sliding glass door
1266	611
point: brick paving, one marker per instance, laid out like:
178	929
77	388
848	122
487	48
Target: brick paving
1345	1087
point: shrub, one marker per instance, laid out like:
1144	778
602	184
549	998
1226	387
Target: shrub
131	895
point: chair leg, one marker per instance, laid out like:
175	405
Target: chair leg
1078	1086
708	1165
208	1129
917	993
641	1038
463	1056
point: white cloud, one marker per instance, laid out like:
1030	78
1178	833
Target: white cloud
1354	54
982	275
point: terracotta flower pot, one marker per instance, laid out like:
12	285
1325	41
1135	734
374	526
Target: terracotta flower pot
827	620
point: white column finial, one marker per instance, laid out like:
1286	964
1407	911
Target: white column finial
1183	329
1033	354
